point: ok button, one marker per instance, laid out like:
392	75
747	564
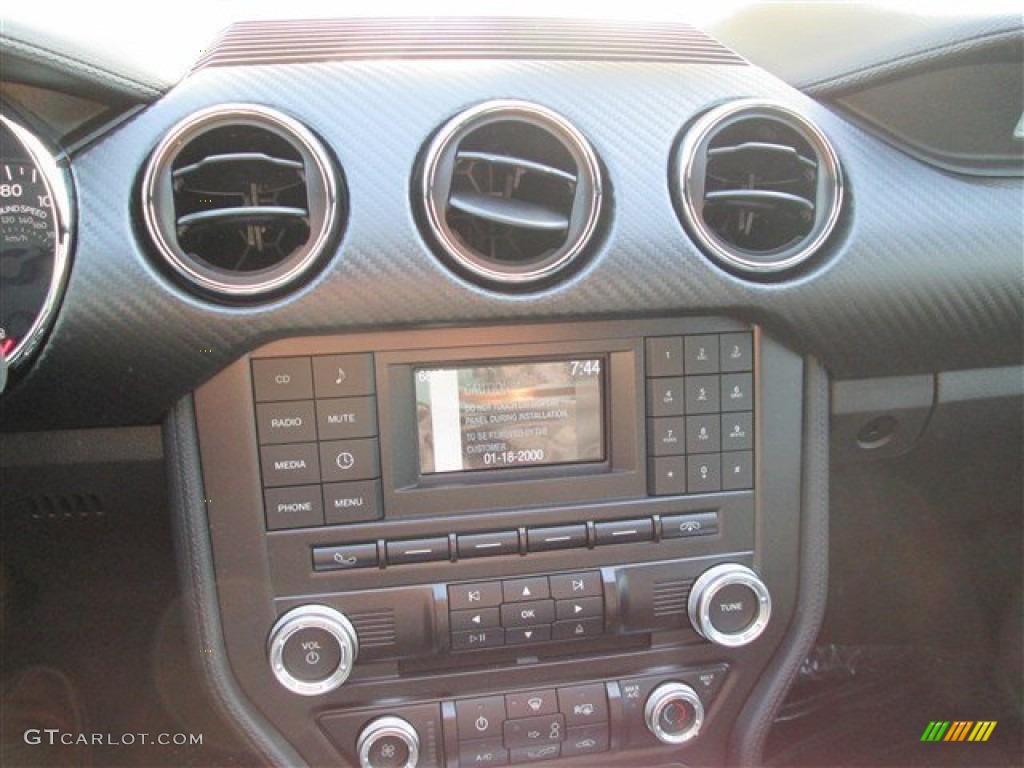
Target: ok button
527	614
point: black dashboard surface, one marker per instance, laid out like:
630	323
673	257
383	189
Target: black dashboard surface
922	275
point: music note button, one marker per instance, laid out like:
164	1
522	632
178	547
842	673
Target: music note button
343	375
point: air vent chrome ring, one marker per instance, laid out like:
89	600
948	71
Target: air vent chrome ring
690	177
323	195
578	223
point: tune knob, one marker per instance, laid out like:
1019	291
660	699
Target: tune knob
388	742
674	713
312	649
730	605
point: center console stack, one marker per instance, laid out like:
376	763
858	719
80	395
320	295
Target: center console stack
572	542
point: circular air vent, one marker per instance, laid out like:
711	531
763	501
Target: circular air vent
511	192
240	200
759	186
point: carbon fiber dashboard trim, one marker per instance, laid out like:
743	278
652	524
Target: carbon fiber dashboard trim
904	287
281	42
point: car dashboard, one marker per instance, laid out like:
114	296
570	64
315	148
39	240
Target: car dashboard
500	367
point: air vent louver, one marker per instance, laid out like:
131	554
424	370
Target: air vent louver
240	200
760	186
511	192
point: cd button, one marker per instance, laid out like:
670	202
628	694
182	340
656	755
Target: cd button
282	378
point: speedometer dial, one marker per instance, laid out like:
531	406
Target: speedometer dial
33	241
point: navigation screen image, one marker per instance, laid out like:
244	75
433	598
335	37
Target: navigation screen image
515	415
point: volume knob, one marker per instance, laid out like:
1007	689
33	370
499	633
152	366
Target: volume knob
312	649
730	605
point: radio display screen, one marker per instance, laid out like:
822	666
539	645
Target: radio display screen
507	415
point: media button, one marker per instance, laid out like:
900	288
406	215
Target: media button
295	464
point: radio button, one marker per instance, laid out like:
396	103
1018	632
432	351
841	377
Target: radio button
480	718
293	507
667	436
572	585
737	392
288	422
349	460
583	629
347	417
702	394
702	434
687	526
700	354
623	531
345	558
356	502
485	618
703	473
282	378
665	397
556	537
584	704
583	608
489	544
517	590
523	635
489	752
531	704
665	356
736	352
667	475
470	597
343	375
527	614
296	464
417	551
471	641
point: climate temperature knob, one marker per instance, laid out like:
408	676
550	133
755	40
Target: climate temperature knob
729	605
674	713
388	742
312	649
